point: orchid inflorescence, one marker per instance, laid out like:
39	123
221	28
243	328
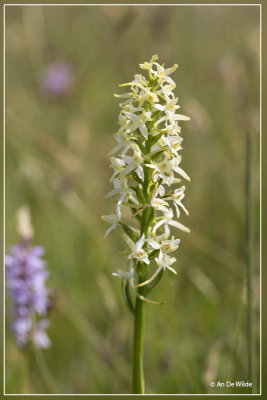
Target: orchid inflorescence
146	164
26	281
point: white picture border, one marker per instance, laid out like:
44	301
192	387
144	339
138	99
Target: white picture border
135	5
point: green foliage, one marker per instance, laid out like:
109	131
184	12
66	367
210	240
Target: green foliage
125	287
129	232
154	283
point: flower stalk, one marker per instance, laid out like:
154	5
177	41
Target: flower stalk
138	345
146	164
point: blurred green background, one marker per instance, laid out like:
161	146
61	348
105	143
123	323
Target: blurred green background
57	163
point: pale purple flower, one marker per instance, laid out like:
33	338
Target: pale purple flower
26	281
57	80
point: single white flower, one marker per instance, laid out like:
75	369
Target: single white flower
172	129
137	251
117	164
157	203
127	275
168	220
166	246
133	162
139	81
169	143
170	107
139	122
177	198
172	117
166	261
147	95
149	65
166	92
159	72
121	187
163	73
111	219
163	260
165	169
123	143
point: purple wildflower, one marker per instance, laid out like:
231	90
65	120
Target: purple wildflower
57	80
26	279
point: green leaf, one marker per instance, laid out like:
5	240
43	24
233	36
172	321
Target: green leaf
136	177
127	295
147	175
150	216
146	106
157	155
129	232
143	221
141	269
154	139
147	218
140	195
153	254
138	217
155	281
151	187
140	144
167	195
155	115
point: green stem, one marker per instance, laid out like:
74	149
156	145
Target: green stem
138	345
139	310
249	235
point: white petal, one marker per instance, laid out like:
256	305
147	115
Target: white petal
143	130
177	210
109	230
172	269
146	260
178	225
151	278
140	243
183	207
159	107
153	244
115	149
130	243
181	117
128	169
158	224
181	172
